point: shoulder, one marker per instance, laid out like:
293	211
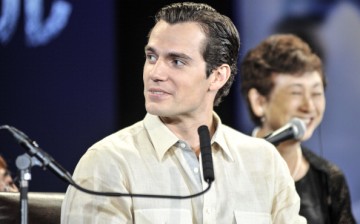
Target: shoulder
245	146
321	163
333	173
114	150
246	141
115	146
126	136
259	158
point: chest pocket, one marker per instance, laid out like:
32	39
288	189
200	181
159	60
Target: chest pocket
252	218
162	216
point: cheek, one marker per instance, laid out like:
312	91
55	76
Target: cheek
291	103
322	104
146	78
145	72
284	105
8	179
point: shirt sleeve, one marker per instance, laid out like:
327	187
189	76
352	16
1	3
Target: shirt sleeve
92	172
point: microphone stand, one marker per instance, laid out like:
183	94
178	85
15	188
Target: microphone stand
24	163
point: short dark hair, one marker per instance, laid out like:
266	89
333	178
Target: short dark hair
222	43
279	53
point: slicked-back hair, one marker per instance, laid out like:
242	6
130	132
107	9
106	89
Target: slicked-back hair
279	53
222	38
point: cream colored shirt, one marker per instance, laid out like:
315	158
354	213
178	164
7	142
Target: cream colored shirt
252	182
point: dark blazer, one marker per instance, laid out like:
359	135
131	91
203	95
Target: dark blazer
336	195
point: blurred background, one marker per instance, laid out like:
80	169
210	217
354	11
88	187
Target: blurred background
71	73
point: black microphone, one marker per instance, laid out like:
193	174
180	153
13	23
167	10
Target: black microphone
205	148
33	149
295	129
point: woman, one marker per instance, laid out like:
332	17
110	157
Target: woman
6	182
282	79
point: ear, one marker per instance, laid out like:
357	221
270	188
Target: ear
257	102
219	77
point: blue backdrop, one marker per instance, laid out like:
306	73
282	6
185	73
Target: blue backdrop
57	79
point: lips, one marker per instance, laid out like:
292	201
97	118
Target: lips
157	91
308	121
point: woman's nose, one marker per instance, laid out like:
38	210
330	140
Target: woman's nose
308	103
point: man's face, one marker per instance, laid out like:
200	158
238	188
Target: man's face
295	96
175	82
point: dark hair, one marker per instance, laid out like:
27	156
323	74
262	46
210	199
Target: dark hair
279	53
222	43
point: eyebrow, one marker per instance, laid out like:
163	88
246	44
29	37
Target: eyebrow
170	54
300	85
148	48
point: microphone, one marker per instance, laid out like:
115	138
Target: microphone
295	129
33	149
205	148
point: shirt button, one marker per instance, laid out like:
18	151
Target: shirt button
196	170
182	145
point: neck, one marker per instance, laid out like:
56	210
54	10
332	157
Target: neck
187	129
288	148
291	152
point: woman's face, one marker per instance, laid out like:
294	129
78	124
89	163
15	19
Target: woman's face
292	96
5	179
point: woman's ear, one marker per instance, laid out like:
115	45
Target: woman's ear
219	77
257	102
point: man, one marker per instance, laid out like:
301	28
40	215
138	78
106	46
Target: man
282	78
191	58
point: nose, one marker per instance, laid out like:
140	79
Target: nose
157	71
308	104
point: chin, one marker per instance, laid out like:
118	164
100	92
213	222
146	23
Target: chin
155	111
152	111
306	136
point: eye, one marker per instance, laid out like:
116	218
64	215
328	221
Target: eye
151	58
178	62
296	93
317	94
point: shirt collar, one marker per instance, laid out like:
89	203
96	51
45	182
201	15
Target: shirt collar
255	131
219	137
163	139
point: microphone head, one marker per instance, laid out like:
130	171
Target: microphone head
299	127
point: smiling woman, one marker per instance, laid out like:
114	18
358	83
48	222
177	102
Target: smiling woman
282	78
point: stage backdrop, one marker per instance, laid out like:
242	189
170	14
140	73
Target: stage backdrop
57	79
